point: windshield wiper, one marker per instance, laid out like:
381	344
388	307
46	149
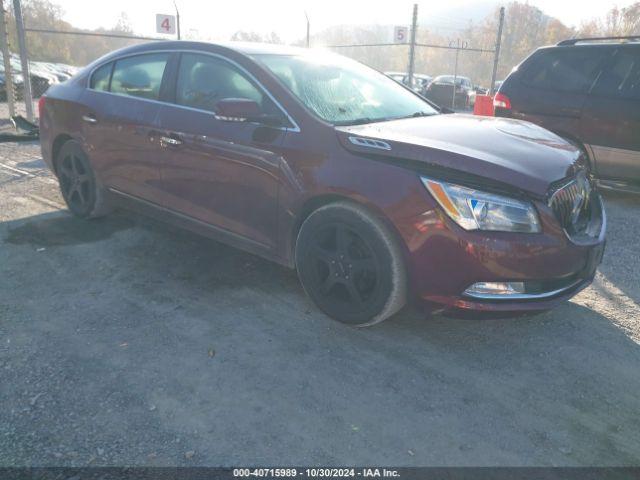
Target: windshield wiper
419	114
365	120
360	121
357	121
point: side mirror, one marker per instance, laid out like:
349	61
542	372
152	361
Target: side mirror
446	110
245	110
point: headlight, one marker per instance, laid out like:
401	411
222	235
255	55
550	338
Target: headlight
476	210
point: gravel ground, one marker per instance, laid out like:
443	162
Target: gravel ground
127	342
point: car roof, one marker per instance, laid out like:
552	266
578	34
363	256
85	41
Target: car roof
618	40
604	45
255	48
244	48
247	48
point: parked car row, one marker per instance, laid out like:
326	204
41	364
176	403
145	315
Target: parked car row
420	80
42	75
440	90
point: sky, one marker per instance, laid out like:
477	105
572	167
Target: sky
219	19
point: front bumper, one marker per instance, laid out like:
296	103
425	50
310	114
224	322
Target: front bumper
445	260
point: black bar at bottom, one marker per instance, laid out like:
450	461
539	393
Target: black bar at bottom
279	473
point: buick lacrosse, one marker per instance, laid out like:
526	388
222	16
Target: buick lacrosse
312	160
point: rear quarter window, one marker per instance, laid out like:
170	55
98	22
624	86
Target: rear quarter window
100	78
564	69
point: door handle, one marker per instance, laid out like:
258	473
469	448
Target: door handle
170	141
89	119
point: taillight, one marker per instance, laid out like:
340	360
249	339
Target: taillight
501	101
41	102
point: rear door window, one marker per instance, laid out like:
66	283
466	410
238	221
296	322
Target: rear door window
565	69
621	78
139	76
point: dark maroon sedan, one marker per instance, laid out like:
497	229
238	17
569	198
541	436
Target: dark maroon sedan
324	165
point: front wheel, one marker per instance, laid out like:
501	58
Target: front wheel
351	265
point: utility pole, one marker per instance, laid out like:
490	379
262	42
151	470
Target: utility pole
496	55
308	29
177	19
455	74
6	57
412	46
24	59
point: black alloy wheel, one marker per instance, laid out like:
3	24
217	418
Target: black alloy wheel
350	265
78	183
346	269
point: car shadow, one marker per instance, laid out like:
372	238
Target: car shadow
37	164
63	229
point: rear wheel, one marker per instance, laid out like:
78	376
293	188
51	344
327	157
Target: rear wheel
84	197
351	265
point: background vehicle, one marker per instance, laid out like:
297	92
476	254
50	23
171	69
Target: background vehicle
42	75
420	80
18	82
397	76
477	90
588	91
440	91
320	163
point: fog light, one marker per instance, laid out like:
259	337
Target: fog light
495	288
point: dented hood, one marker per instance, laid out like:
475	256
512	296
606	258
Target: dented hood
513	153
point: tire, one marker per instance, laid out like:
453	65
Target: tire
351	265
82	193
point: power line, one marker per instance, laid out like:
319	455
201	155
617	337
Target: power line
90	34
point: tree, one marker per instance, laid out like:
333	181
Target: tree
617	22
123	25
242	36
71	49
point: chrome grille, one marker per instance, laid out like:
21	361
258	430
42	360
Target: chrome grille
571	203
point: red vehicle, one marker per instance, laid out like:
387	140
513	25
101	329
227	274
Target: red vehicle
324	165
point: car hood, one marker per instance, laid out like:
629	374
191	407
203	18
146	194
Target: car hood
515	154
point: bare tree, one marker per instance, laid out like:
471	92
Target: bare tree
242	36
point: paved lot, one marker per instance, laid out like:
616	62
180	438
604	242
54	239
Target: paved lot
124	341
